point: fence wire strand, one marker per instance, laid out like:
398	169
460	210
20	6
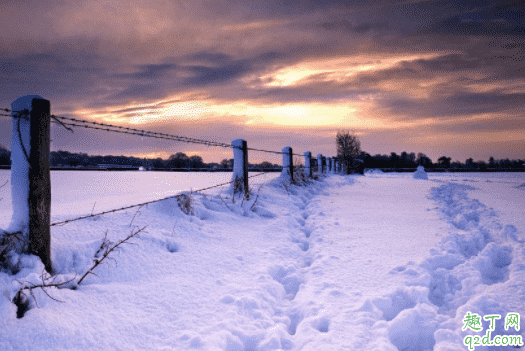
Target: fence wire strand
144	203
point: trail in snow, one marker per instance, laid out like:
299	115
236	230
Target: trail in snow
381	262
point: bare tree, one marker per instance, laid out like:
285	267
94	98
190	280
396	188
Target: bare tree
348	148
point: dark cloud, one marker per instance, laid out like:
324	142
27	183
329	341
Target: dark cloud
459	104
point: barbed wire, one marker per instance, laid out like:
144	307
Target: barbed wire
74	122
144	203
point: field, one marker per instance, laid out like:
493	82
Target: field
374	262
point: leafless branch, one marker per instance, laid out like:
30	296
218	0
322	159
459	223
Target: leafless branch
225	202
47	281
138	209
106	248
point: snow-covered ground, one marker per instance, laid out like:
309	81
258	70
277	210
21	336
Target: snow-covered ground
374	262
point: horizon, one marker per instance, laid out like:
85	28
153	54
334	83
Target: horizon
440	78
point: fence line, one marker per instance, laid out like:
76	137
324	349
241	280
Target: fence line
145	203
38	164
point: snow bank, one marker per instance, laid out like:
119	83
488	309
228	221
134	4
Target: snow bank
420	173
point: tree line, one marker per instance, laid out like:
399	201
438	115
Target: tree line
178	160
181	160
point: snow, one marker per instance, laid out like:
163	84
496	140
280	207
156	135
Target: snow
374	262
420	173
20	166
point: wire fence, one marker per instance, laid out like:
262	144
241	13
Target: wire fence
71	123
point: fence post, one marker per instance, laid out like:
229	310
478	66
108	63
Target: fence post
287	172
324	164
290	160
308	164
240	167
245	169
40	182
30	177
336	164
319	163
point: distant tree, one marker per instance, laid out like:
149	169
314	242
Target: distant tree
444	161
481	165
394	159
423	160
196	162
265	165
469	163
227	163
492	162
179	160
348	148
408	160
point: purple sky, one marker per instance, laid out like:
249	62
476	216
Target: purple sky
438	77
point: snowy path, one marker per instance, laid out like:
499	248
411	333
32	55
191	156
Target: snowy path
381	262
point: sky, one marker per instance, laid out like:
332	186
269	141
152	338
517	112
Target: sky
445	78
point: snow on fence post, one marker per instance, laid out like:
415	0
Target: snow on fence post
319	163
308	164
30	176
287	172
240	168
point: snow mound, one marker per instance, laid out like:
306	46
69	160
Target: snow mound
420	173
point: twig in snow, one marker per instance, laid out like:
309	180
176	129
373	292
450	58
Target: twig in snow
93	209
21	299
135	215
256	197
106	248
225	202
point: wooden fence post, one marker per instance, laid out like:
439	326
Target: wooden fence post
319	163
308	164
245	169
30	176
290	160
287	171
40	182
240	167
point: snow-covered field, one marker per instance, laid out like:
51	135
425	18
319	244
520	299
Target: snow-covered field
374	262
